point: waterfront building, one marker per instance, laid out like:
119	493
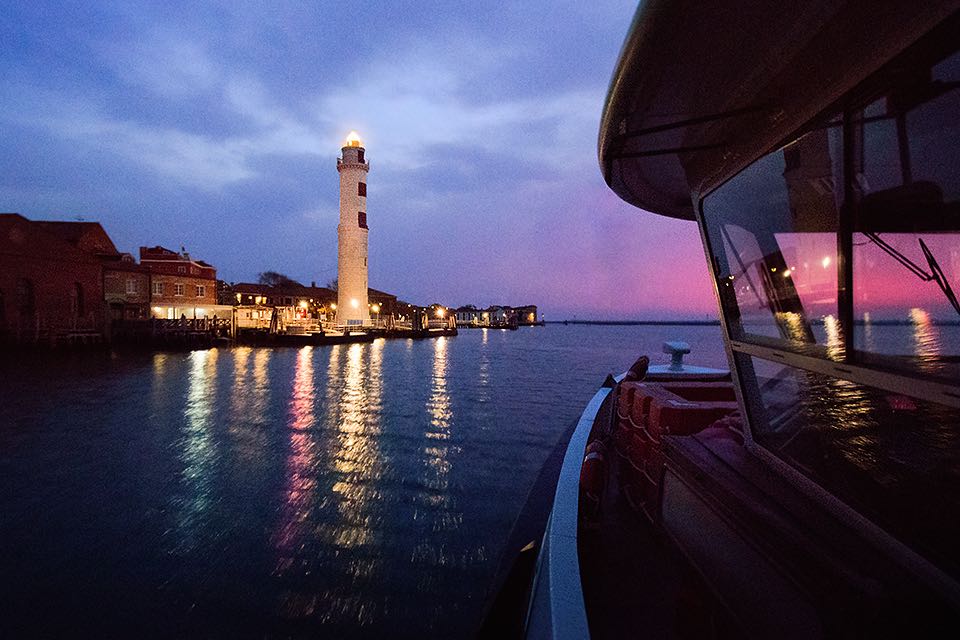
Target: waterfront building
526	314
126	285
384	307
352	295
498	316
126	288
49	288
181	286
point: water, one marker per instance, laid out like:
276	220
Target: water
345	491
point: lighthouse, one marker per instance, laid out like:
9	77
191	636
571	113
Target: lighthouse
352	308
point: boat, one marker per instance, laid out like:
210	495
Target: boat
813	489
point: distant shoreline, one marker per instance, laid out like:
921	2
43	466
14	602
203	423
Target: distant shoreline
699	323
715	323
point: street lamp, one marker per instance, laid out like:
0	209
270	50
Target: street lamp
376	309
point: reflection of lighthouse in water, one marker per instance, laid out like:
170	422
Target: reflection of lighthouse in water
352	234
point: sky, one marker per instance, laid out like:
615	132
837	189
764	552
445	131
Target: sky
216	127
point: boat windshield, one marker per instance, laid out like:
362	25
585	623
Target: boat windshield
775	232
837	261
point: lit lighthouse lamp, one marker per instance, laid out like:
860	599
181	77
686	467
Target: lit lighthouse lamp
352	304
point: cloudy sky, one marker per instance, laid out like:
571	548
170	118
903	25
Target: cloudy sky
217	128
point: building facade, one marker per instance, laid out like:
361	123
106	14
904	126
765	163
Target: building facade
180	286
352	299
126	288
49	288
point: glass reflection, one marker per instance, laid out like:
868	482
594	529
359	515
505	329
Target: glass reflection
926	340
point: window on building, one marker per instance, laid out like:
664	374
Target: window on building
359	155
362	219
362	189
181	269
178	289
131	286
76	300
157	288
25	300
201	290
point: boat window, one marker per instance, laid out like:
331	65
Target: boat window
873	415
906	242
893	457
773	232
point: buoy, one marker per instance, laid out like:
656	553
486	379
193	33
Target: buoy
593	480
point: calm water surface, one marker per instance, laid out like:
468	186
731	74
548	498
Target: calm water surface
343	491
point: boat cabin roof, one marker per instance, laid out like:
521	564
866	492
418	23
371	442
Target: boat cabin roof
695	99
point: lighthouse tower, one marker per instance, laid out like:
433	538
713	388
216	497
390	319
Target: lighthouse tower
352	232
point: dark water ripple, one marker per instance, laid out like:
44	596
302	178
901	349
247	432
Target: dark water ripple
345	491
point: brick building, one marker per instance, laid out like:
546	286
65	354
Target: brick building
181	286
126	285
50	279
126	288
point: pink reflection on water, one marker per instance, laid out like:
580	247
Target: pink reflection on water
301	484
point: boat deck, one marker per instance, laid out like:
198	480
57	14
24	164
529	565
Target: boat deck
635	581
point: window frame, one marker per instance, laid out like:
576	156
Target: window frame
871	372
867	368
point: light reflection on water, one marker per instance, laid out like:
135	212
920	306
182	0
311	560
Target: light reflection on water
926	340
299	470
198	449
346	491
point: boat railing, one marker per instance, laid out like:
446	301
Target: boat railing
557	607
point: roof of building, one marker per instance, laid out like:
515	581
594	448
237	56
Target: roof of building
293	289
381	294
21	236
86	236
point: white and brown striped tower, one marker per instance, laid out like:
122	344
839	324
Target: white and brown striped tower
352	307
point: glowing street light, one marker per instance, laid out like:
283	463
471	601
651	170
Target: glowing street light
439	313
354	303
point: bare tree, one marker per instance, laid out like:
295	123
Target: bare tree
273	279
